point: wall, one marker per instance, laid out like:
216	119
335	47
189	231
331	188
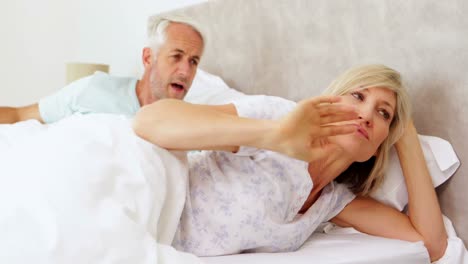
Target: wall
39	37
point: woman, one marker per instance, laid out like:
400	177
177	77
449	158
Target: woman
248	196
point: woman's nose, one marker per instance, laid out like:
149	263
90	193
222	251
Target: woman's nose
366	112
365	121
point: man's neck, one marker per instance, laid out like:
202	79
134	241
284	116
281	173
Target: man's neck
144	95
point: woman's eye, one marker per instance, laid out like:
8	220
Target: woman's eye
358	96
384	114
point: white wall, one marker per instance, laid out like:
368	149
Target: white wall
39	37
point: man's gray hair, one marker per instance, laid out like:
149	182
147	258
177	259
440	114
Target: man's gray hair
157	26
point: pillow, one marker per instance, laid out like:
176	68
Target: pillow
210	89
441	159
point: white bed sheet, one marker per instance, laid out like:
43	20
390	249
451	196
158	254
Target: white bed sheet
338	248
348	246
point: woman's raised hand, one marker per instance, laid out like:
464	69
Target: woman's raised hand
303	133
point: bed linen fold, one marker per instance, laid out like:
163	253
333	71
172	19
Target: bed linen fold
88	190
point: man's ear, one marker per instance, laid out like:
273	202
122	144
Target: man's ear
147	56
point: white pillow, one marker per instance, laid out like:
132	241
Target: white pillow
441	161
439	154
210	89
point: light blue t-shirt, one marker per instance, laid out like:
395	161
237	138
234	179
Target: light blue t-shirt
97	93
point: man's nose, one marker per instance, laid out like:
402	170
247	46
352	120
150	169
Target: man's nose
184	68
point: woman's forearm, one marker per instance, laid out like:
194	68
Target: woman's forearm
174	124
424	210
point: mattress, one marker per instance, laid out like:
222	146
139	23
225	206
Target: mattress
335	245
337	248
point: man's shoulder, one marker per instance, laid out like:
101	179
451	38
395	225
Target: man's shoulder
97	93
104	81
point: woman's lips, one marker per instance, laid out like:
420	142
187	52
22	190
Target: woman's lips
363	132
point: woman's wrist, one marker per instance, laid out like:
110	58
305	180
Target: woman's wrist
408	139
268	136
280	140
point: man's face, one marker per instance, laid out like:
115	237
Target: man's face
172	73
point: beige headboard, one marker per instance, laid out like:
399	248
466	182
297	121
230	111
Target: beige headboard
294	48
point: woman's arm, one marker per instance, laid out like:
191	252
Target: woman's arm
374	218
424	221
174	124
423	206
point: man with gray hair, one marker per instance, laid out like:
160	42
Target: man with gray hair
170	60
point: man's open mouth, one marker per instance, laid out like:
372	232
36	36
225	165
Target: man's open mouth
177	86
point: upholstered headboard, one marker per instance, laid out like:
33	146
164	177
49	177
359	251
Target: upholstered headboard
294	49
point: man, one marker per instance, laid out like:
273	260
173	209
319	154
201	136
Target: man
170	62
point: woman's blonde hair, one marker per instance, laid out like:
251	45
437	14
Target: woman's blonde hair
369	76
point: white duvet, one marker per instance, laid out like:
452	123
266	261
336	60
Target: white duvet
87	190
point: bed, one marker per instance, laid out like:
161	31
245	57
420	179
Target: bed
294	48
288	48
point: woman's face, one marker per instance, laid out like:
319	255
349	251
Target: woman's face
376	108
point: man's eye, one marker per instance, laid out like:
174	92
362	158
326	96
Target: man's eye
194	62
358	95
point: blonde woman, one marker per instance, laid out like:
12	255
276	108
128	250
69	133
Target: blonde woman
273	170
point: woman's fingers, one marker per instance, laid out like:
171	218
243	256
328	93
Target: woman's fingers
315	119
328	106
325	113
333	130
328	120
336	109
324	99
